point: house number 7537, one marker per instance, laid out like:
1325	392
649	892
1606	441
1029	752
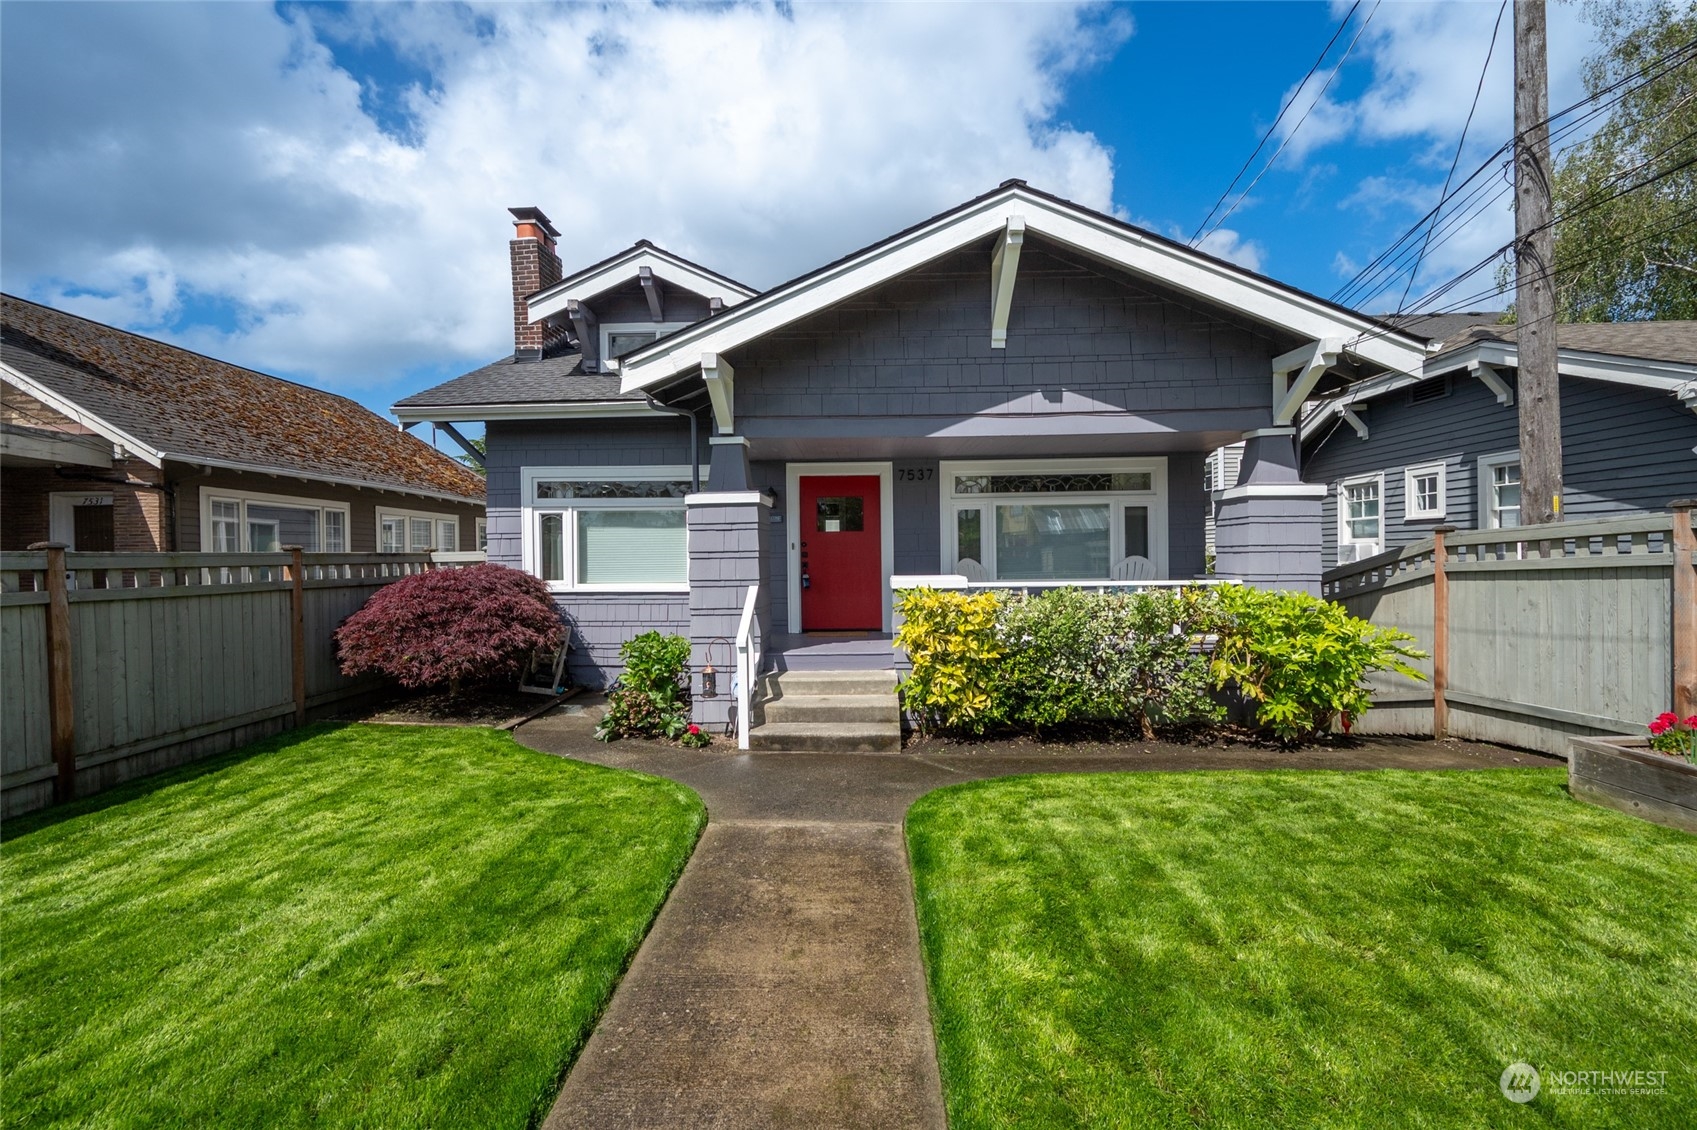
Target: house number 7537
916	474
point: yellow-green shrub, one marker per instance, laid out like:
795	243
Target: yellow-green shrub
951	640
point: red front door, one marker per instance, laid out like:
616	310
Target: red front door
842	557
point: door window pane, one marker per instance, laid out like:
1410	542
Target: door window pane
447	536
844	515
625	547
969	535
553	532
1052	542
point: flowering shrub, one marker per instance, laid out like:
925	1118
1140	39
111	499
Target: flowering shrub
1670	735
695	737
450	626
651	698
1302	659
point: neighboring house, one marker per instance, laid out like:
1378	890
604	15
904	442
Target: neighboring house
1403	453
1018	390
113	441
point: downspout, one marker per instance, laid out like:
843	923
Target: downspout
694	448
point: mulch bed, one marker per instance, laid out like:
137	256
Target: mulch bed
480	706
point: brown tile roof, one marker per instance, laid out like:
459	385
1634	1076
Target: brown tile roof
1650	341
193	408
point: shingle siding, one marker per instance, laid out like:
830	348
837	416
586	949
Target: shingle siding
1625	450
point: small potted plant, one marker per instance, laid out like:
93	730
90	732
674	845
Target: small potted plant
1673	737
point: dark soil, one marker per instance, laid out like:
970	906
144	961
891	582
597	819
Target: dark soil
480	706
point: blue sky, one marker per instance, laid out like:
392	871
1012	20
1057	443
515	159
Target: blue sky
319	191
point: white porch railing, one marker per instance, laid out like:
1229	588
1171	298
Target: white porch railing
957	581
749	648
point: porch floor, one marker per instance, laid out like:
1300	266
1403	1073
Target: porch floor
831	651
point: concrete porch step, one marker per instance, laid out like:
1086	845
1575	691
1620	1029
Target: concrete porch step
827	737
843	711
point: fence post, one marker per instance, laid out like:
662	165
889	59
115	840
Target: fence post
1440	633
61	700
297	629
1684	609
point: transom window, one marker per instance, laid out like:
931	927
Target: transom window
1051	521
606	528
1423	493
1361	529
243	522
621	338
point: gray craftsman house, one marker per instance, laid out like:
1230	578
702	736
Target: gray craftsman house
1402	453
1019	391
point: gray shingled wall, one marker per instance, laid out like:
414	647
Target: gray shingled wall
1625	450
1278	538
724	559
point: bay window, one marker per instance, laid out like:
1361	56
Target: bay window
1051	520
608	528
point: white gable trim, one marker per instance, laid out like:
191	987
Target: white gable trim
628	267
1097	236
80	415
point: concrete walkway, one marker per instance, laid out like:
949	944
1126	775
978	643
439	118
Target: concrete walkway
782	983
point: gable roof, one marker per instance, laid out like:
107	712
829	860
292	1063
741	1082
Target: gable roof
626	265
163	402
1085	230
1660	356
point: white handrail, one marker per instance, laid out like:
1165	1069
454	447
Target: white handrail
748	663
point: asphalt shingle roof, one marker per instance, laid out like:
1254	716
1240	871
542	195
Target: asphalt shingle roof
555	379
1650	341
191	407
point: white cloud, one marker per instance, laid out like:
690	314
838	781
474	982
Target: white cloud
216	155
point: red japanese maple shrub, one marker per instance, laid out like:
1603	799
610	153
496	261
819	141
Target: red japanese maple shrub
450	626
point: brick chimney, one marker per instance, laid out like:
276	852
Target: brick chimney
536	265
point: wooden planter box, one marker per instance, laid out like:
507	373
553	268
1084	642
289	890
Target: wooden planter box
1626	774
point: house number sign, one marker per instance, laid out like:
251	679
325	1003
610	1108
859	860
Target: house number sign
915	474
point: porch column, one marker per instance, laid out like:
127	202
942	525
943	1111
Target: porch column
727	538
1267	530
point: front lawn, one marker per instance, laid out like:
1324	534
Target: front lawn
1301	949
345	926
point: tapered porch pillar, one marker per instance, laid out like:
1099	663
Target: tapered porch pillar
727	540
1267	528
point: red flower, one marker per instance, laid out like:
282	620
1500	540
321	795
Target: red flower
1667	718
1661	725
694	729
1691	722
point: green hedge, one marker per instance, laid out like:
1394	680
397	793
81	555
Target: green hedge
992	661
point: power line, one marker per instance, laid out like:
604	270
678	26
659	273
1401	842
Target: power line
1274	159
1456	160
1265	137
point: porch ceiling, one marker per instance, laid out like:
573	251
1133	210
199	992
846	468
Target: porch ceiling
1027	444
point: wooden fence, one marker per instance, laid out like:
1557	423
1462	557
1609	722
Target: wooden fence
119	665
1536	634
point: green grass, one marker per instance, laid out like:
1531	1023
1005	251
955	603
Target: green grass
1301	949
348	926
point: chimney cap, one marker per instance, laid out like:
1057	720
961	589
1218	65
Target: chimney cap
534	215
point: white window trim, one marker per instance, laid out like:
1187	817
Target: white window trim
530	543
1410	510
1366	548
481	531
61	519
1155	499
293	501
1486	517
433	515
608	329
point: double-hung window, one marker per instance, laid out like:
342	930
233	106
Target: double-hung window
1423	493
245	522
1361	527
607	528
1499	491
1053	520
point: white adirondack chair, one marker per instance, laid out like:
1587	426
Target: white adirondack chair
1134	569
970	569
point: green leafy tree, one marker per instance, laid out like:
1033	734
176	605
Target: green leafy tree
1624	252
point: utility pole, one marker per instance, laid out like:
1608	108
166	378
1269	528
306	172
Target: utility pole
1539	393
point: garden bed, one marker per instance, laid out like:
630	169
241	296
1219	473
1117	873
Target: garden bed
1626	774
500	707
